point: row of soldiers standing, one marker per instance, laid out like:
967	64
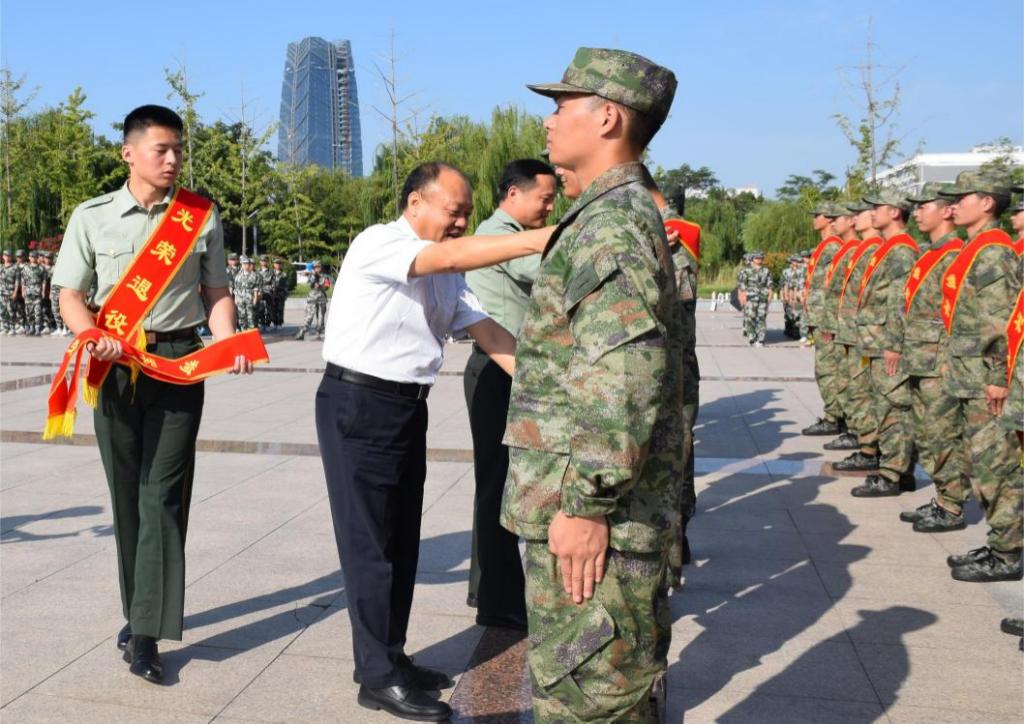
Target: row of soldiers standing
754	286
259	294
30	305
916	356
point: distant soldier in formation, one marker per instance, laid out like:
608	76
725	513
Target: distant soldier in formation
789	286
20	322
265	303
280	294
316	303
33	280
232	270
8	287
755	292
246	293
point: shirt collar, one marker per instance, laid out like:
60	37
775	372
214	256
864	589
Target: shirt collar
506	218
124	201
614	177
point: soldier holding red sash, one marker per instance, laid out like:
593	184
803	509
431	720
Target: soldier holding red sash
156	254
978	293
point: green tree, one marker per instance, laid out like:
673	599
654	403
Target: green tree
180	90
294	226
779	226
679	183
809	190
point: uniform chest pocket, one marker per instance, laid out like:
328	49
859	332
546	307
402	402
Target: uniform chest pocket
112	260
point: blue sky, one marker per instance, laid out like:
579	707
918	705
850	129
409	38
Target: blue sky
758	79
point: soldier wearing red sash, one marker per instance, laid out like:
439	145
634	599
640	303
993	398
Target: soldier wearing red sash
924	338
157	255
880	341
1017	220
979	289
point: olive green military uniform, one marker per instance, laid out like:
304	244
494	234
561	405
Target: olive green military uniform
595	428
829	320
828	357
146	432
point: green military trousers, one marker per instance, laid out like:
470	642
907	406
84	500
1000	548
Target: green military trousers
892	406
861	416
828	369
604	660
944	463
147	439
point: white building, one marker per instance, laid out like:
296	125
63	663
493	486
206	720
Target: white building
912	174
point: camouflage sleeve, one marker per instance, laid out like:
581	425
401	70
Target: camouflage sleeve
895	321
997	280
618	365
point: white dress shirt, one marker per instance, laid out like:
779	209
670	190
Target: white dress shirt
383	323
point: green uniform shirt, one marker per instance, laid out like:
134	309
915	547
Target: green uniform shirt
504	289
923	333
105	233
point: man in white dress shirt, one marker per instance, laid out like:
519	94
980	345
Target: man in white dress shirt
396	299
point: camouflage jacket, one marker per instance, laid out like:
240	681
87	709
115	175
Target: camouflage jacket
686	287
232	272
595	416
267	285
976	353
318	284
786	279
9	276
757	283
923	334
846	326
880	307
33	279
829	317
815	301
246	285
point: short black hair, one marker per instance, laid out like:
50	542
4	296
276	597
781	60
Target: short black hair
145	116
1002	203
421	177
640	127
905	215
522	173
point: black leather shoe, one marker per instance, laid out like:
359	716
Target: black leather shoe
912	516
990	569
420	677
846	441
144	658
822	427
1012	626
908	483
123	635
875	486
405	703
471	600
857	462
939	520
971	556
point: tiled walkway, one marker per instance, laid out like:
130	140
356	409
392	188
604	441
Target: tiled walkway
804	604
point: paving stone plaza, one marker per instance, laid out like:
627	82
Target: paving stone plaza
804	604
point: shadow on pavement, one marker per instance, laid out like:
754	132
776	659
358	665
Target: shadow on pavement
10	526
741	425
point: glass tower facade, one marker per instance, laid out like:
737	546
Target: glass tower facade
320	107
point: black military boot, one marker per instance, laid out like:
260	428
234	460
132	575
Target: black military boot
858	461
939	520
822	427
1012	626
975	554
908	483
912	516
123	635
991	568
845	441
875	486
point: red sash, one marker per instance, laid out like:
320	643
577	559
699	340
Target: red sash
121	316
1014	336
1018	246
689	235
865	246
812	263
838	258
924	266
879	256
961	267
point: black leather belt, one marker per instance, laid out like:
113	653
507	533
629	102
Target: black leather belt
404	389
174	335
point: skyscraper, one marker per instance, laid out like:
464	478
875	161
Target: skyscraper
320	107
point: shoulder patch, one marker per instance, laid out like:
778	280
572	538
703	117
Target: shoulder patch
98	201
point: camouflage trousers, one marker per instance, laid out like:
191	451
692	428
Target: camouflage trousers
755	319
860	414
689	494
246	314
7	312
316	312
992	463
602	660
35	315
892	406
944	464
261	311
828	372
55	309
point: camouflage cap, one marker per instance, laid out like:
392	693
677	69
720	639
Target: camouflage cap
20	252
977	182
1018	207
233	255
833	210
44	254
855	207
930	192
33	254
619	76
888	197
757	254
277	261
245	260
805	254
8	252
264	257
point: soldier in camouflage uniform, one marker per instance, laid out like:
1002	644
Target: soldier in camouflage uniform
33	279
8	283
880	341
18	306
265	303
246	292
755	294
785	294
280	294
924	340
232	270
799	284
974	375
594	425
316	303
49	323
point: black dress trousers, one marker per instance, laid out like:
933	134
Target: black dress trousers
374	449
